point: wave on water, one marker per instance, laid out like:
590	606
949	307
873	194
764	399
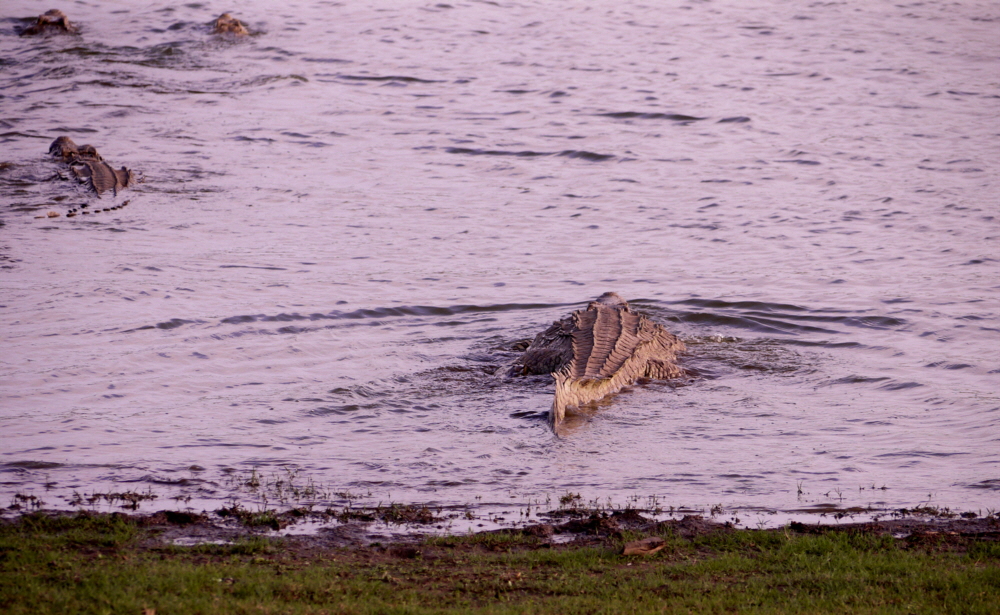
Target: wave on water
360	314
774	318
591	156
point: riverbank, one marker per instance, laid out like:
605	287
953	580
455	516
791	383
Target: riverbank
179	562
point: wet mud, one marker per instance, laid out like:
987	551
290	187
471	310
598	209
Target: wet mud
406	536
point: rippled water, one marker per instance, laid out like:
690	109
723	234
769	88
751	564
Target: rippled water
347	219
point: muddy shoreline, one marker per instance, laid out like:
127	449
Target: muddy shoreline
408	527
576	561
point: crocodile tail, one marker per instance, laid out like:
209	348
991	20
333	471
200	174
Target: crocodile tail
571	393
574	392
559	401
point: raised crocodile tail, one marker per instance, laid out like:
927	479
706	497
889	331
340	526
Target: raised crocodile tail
575	392
558	412
572	393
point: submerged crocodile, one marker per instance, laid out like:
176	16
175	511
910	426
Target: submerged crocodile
56	22
50	22
598	351
227	24
88	166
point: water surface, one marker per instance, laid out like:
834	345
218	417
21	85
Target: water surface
349	218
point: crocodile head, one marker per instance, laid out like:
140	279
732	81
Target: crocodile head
227	24
50	22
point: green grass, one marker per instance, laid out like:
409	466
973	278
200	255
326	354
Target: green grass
111	564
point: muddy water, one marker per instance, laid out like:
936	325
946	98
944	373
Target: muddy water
347	219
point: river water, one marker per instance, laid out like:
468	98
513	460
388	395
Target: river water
347	219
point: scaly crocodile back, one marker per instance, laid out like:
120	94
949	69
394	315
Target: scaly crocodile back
612	347
90	168
606	338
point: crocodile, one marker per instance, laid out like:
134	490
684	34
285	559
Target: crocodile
50	22
89	167
227	24
596	352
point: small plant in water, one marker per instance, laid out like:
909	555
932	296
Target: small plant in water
131	499
264	517
837	490
570	500
654	505
254	480
21	500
